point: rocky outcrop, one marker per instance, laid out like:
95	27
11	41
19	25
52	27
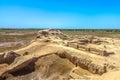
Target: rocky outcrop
8	57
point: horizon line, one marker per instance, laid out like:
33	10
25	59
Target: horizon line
61	28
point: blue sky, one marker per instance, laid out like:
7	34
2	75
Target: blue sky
82	14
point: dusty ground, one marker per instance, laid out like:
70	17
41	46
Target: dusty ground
13	39
57	56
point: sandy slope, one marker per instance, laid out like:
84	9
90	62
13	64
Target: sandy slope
50	66
43	48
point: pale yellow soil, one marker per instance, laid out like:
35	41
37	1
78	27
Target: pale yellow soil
50	66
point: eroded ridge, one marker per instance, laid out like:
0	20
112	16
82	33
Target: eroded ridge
51	57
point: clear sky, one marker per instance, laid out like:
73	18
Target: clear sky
60	14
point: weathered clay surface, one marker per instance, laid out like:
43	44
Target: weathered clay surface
84	63
83	58
50	34
8	57
90	45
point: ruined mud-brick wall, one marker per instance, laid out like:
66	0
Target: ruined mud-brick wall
82	44
84	63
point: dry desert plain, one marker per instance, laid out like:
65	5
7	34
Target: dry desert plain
59	55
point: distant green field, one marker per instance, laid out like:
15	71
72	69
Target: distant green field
95	32
112	31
